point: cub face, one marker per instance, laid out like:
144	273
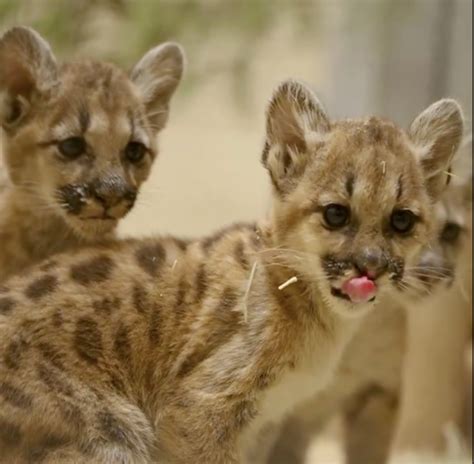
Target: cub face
82	136
445	257
354	199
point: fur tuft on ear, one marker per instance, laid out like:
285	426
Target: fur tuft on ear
157	76
295	119
437	134
27	68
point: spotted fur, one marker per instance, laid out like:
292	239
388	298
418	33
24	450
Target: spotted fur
196	356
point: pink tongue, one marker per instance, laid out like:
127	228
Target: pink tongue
359	289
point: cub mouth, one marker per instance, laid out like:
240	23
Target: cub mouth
339	294
356	290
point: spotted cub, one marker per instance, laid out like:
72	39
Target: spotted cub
78	141
162	350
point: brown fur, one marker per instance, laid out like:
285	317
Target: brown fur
396	347
162	351
52	203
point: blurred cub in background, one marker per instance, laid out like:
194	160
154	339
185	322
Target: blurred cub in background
78	140
402	384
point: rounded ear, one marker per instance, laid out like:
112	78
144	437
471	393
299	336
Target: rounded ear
437	134
27	68
295	119
157	76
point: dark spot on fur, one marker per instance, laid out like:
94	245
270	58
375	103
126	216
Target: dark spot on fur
154	325
150	258
208	242
201	283
122	345
140	299
41	287
182	244
15	396
57	318
14	352
94	270
88	340
239	253
400	188
84	118
51	354
180	296
350	185
6	305
3	289
117	384
228	299
10	434
105	306
53	381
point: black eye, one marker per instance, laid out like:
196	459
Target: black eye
402	221
336	216
135	151
450	232
73	147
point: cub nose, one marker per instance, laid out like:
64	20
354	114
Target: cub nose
371	261
112	190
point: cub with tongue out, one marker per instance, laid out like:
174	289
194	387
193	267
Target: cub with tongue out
352	208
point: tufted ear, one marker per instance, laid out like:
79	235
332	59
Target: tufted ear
437	134
27	69
295	117
157	76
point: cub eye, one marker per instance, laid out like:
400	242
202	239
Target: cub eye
135	151
336	216
450	232
402	221
72	147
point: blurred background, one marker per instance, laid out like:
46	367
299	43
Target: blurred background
388	57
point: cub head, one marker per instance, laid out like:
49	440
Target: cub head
81	137
354	200
449	254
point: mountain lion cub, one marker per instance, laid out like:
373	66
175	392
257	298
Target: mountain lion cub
164	350
78	141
